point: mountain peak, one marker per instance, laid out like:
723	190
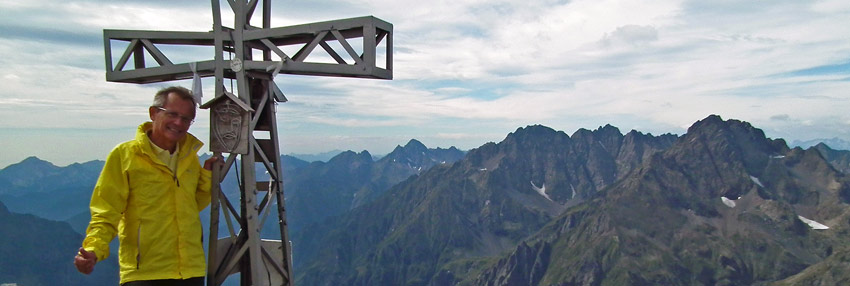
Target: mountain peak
608	129
415	144
33	162
32	159
31	169
417	156
352	156
713	125
741	129
834	143
715	122
732	150
412	148
536	132
533	130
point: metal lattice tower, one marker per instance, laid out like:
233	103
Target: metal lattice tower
237	116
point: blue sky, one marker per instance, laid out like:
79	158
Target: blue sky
466	72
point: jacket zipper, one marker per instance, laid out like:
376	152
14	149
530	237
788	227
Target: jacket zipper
174	172
139	247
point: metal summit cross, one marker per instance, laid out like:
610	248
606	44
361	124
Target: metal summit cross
237	116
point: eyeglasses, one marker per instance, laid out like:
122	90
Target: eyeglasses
173	115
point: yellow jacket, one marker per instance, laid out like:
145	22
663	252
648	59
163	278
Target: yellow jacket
153	211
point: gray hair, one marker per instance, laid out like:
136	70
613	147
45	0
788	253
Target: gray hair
161	97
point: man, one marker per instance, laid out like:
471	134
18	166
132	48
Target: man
149	193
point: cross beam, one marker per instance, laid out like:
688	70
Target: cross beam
143	44
259	262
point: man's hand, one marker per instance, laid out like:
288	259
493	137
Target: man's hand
208	164
85	261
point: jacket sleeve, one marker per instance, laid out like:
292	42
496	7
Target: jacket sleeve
108	202
202	195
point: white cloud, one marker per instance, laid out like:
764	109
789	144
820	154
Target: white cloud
631	35
831	6
474	67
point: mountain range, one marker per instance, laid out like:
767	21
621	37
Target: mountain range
833	143
323	157
719	205
321	190
39	189
39	252
454	218
722	206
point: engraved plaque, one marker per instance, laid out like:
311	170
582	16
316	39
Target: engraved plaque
229	128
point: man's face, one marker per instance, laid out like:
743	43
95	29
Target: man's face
171	124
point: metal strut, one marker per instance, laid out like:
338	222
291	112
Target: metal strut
238	116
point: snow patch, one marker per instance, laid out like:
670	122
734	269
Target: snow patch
727	202
812	224
603	145
574	191
756	180
540	190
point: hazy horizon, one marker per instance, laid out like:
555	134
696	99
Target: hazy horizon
56	158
